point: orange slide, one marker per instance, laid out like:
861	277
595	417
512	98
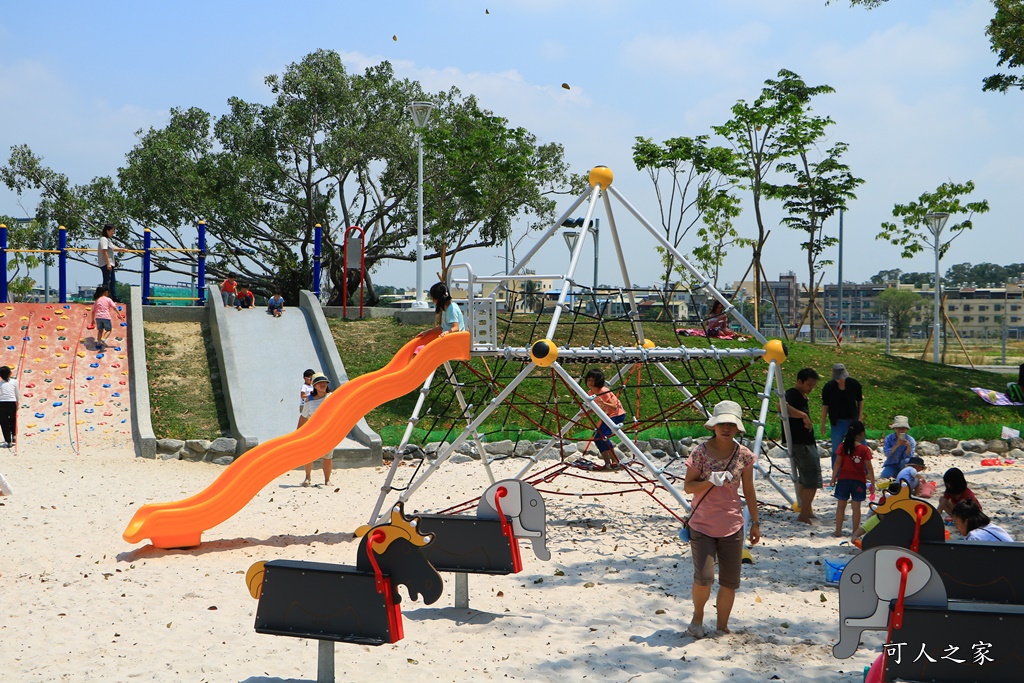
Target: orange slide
181	524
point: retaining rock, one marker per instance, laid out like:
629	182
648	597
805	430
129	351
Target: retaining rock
927	448
974	445
946	444
997	446
169	445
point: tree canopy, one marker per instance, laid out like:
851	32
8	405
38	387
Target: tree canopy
913	234
331	147
898	305
777	125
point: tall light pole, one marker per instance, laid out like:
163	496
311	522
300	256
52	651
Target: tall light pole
420	115
936	222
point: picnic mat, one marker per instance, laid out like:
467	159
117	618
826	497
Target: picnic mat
993	397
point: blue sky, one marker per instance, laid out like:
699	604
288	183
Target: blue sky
79	79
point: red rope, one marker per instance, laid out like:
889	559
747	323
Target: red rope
73	413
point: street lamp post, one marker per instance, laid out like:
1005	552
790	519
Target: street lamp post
420	115
936	222
571	236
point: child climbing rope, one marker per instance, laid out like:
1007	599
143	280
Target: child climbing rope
606	399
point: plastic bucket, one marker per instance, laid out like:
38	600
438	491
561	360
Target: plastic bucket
834	570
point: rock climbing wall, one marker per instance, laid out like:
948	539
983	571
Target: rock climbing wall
73	393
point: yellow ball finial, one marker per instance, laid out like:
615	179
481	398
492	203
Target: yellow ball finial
776	351
544	352
601	175
648	344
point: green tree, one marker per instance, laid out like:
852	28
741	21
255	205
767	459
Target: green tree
1006	36
917	279
332	148
981	274
690	179
817	191
775	126
913	234
884	276
899	306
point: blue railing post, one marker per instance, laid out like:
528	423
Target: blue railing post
318	236
62	264
201	269
3	261
147	262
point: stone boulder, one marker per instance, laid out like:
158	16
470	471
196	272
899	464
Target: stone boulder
974	445
1016	442
997	446
1015	454
957	452
927	448
221	447
505	447
946	444
169	446
524	449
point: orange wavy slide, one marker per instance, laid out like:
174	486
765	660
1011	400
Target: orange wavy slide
181	524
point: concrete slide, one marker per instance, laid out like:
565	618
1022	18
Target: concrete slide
181	524
261	360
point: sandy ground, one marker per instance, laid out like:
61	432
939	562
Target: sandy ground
77	603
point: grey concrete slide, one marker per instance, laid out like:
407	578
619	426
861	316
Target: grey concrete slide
261	361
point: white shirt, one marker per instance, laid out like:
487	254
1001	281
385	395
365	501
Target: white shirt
306	390
311	405
9	390
990	533
105	246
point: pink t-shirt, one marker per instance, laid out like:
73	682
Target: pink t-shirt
719	511
101	307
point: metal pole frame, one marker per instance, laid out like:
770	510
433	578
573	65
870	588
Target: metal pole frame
62	264
201	269
774	374
318	238
147	243
3	261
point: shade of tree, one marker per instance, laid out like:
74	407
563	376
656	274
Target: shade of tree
1006	37
817	190
332	148
763	133
899	306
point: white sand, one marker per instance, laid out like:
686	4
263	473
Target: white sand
79	604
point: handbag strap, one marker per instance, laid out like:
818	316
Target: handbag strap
735	452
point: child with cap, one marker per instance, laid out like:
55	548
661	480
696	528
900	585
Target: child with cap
909	475
307	387
321	389
899	447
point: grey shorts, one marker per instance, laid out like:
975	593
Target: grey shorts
807	464
728	550
103	324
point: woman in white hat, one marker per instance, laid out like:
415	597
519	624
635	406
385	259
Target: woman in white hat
714	472
899	447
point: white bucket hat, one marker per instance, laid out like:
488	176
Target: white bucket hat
900	421
726	411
